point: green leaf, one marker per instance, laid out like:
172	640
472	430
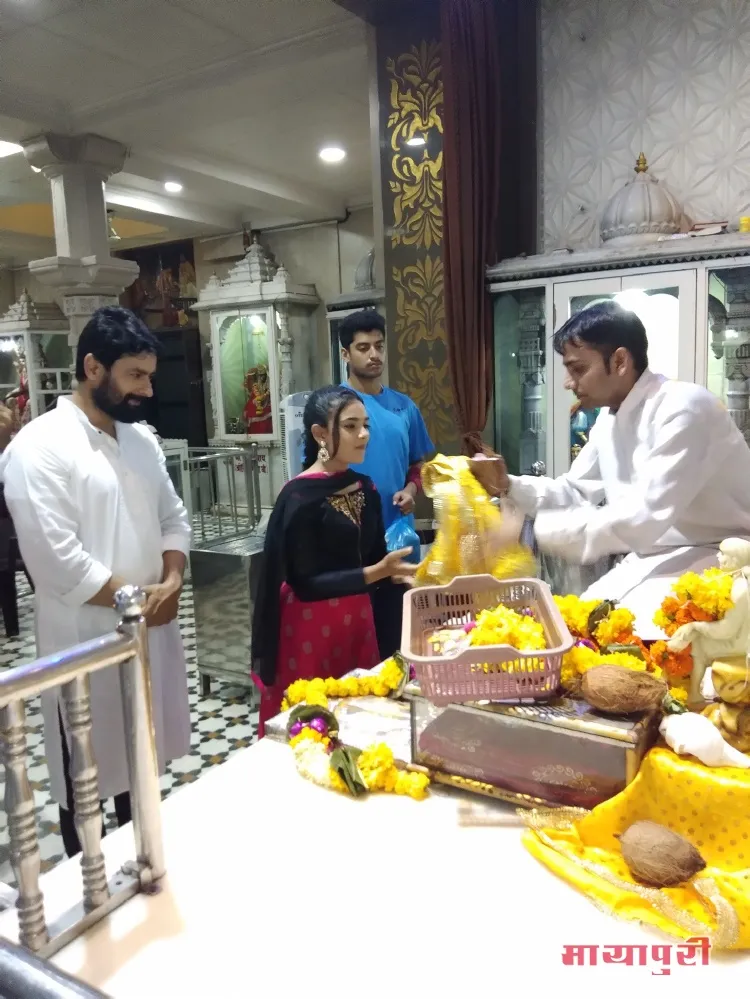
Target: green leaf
629	650
600	613
344	762
671	706
404	667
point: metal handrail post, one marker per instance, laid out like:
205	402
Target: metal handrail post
140	737
126	648
256	486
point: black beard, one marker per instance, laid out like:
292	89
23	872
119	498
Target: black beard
120	410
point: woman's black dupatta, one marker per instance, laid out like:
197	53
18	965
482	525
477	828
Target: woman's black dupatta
295	495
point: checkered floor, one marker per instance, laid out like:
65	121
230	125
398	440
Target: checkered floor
222	723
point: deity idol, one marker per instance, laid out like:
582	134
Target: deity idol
710	640
257	412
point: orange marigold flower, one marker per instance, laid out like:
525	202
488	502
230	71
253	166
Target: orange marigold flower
658	652
679	664
670	606
697	613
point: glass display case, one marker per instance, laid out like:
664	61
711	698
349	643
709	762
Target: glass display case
539	424
727	341
665	303
693	296
521	379
243	341
36	359
263	336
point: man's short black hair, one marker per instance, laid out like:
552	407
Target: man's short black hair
364	321
112	333
606	326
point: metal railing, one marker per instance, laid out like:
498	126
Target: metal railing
25	976
225	489
126	648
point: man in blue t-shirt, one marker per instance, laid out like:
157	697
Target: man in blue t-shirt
399	441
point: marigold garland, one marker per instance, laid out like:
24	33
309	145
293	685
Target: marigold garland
611	640
695	597
317	691
313	738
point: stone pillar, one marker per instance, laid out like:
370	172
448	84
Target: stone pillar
77	167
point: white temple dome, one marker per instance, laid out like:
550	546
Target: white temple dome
640	212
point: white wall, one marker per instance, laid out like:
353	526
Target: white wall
326	256
668	77
7	291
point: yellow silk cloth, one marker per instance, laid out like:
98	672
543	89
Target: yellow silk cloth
470	538
709	807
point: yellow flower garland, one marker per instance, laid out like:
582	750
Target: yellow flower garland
375	765
614	629
317	691
711	591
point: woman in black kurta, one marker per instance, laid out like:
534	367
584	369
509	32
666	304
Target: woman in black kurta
324	554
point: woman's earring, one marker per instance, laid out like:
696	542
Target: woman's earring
323	455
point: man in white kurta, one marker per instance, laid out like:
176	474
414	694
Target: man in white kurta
663	479
94	507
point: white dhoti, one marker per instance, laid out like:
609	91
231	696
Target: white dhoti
641	582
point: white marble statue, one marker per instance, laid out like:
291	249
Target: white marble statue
710	640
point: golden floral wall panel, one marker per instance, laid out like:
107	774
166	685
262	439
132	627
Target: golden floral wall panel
411	133
420	303
416	182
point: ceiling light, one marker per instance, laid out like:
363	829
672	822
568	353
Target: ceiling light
332	154
173	187
36	169
416	140
9	148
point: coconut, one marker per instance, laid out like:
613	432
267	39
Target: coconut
658	857
617	690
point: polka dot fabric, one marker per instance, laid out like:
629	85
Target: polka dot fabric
709	807
320	639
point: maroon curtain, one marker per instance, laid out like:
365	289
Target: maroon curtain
472	77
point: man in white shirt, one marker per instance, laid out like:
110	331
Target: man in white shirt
664	477
94	508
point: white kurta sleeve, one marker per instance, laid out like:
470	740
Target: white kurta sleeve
582	486
45	516
173	517
676	468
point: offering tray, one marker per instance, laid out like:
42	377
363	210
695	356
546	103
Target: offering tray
557	753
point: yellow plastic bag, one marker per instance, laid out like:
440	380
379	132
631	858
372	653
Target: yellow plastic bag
471	539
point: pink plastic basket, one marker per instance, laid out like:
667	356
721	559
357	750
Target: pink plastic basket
490	672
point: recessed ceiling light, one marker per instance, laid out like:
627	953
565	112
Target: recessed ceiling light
416	140
9	148
173	187
332	154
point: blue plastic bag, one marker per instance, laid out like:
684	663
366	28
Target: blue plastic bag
402	534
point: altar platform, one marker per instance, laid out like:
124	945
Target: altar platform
277	887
